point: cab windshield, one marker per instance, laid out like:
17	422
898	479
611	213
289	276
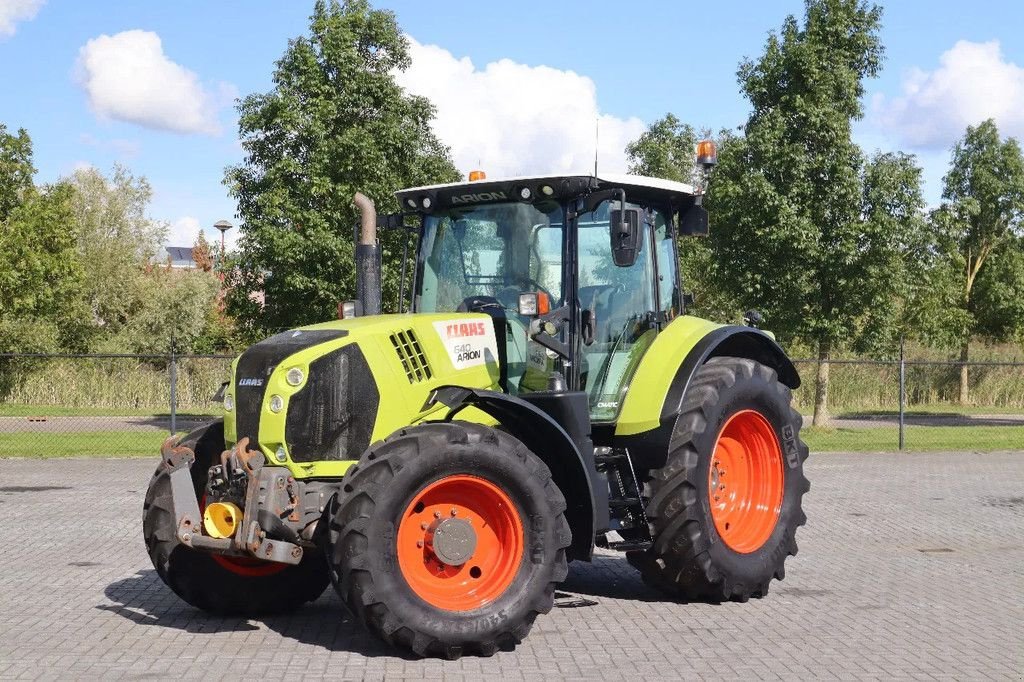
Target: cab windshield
496	251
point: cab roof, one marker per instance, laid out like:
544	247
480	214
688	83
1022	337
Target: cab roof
561	187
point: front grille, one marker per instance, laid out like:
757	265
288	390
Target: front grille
332	416
407	346
254	368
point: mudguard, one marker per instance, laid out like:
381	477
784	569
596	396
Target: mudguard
655	396
570	460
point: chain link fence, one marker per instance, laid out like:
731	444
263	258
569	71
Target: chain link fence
891	405
55	405
125	405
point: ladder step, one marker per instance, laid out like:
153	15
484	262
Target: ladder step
625	502
610	458
630	546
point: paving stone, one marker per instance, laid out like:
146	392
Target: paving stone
911	567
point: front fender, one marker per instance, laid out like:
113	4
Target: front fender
571	460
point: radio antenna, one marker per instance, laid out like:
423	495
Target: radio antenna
597	141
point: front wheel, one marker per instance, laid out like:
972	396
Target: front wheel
220	584
725	507
449	538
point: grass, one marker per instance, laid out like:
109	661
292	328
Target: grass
938	408
917	438
82	444
884	439
20	410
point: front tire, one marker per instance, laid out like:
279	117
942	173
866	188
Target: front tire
725	507
449	538
220	584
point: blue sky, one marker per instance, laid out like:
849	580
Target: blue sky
518	85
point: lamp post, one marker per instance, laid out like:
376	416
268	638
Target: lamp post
223	226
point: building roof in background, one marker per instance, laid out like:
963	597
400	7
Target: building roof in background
180	256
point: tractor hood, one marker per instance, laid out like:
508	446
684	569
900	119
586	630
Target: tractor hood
315	397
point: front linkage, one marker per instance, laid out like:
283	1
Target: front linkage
248	510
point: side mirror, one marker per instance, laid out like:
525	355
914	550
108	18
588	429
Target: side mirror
625	236
693	222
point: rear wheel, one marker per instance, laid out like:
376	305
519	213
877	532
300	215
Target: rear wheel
449	539
220	584
725	507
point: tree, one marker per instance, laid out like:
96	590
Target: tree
16	170
40	278
172	304
980	222
202	256
667	149
899	253
116	240
335	123
787	201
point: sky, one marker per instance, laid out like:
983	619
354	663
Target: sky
519	87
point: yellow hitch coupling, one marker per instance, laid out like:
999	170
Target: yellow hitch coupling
222	519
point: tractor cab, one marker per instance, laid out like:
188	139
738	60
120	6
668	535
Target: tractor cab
579	272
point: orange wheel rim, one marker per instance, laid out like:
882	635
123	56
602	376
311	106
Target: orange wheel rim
745	481
460	543
250	568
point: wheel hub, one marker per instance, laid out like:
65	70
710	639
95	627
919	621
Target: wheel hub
746	481
460	542
453	541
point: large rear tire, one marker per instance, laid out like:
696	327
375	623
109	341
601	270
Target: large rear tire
725	507
221	585
449	538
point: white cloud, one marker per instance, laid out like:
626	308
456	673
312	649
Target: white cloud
128	77
184	230
14	11
973	82
513	119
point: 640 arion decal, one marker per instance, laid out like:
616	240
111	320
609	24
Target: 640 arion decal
469	342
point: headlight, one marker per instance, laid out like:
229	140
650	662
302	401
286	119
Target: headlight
294	376
276	403
229	402
281	455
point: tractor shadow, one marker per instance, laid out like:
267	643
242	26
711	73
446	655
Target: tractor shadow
145	600
608	576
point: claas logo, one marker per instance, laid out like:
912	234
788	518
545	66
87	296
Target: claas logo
464	329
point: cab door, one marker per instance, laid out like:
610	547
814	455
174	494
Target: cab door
619	305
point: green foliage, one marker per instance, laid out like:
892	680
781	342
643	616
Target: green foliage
169	304
979	226
41	278
116	241
787	199
335	123
665	150
16	169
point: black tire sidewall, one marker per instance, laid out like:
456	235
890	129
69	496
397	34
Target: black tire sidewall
196	576
755	393
510	473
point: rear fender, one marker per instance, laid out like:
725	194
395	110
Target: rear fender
571	463
658	398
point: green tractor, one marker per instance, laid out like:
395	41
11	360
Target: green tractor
544	395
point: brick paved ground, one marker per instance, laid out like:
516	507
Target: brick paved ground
912	566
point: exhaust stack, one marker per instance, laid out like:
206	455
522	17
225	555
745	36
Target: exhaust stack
367	257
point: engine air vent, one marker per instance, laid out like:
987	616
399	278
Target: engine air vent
411	355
